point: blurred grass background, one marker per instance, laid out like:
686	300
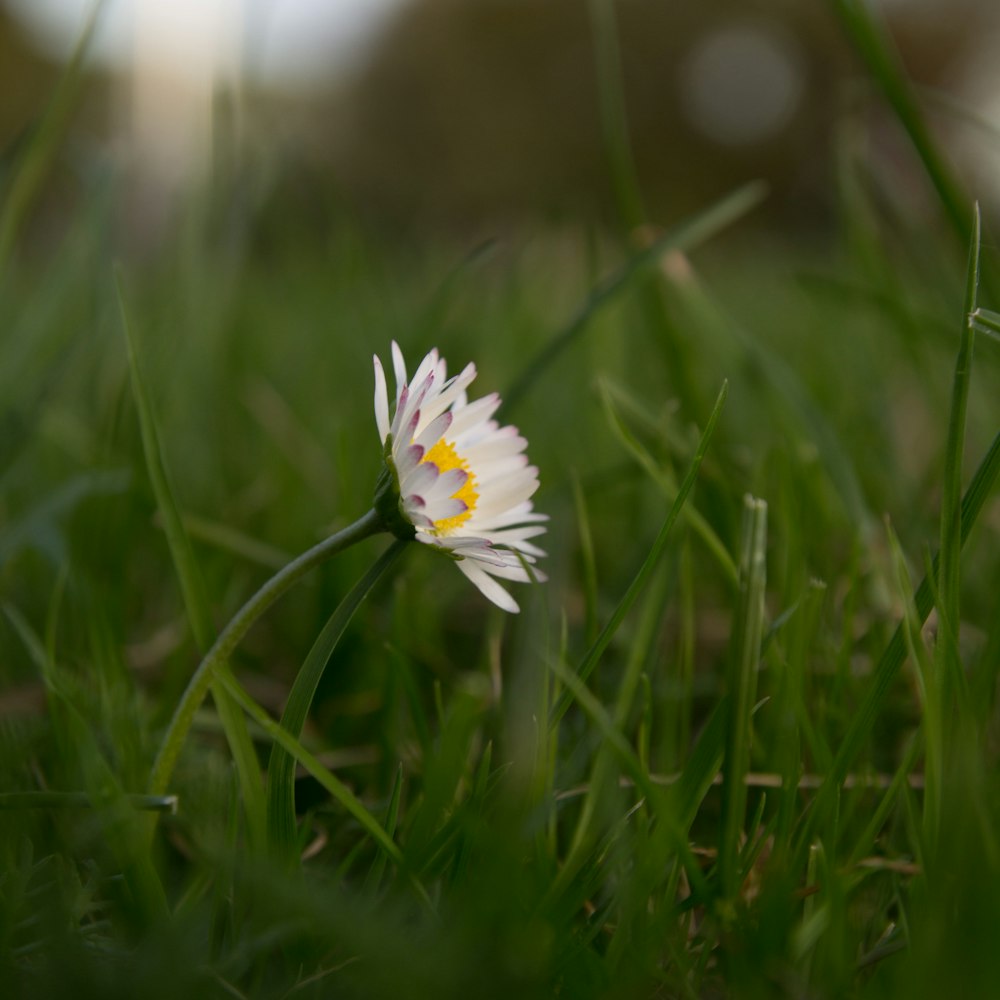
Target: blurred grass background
474	185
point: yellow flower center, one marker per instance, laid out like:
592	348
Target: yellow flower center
444	456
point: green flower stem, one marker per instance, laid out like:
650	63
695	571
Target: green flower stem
229	639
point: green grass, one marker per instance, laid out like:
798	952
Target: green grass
743	742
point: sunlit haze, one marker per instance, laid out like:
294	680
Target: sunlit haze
287	42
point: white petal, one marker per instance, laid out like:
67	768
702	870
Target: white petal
469	416
381	401
409	414
442	508
434	431
517	573
421	479
515	538
450	392
447	484
519	514
509	495
482	430
399	368
407	460
402	396
488	586
498	445
465	545
426	367
500	469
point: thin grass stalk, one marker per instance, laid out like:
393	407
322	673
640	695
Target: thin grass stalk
664	479
867	712
950	552
986	321
685	236
685	655
587	559
674	837
748	630
336	788
602	775
192	585
593	656
120	825
627	194
281	767
896	787
873	44
613	114
790	700
931	685
233	633
29	180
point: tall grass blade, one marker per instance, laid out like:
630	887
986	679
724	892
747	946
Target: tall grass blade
191	582
188	573
281	767
120	823
41	149
377	870
337	789
949	554
602	774
782	383
685	236
748	629
873	44
614	119
867	713
635	588
664	478
674	838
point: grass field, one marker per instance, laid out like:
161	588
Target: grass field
742	742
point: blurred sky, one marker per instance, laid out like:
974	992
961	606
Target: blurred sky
483	107
286	42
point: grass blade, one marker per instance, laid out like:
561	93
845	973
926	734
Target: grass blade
866	714
686	236
121	826
675	839
951	506
188	574
614	121
602	774
742	687
281	767
664	478
337	789
377	870
29	180
191	583
872	42
649	564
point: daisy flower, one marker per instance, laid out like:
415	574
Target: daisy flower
454	478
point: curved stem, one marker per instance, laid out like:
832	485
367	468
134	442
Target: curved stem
229	639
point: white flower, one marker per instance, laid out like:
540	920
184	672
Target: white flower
457	480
